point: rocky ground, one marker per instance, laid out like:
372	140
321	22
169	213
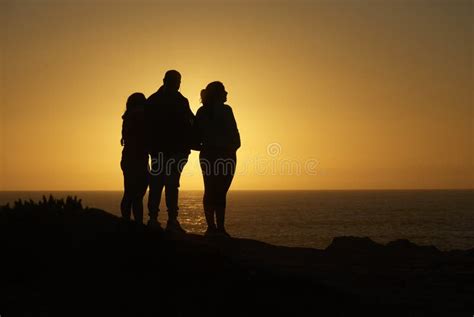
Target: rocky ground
60	259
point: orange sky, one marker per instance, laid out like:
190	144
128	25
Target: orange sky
351	94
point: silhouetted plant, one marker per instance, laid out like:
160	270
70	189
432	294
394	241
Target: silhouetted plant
51	204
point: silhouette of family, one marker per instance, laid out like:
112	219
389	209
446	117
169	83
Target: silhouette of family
164	130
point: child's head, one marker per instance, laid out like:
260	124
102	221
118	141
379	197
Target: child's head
136	101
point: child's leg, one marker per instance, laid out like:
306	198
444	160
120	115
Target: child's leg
138	209
140	187
126	204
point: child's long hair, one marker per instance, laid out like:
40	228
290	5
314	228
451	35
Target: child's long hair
134	101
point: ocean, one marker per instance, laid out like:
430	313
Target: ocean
443	218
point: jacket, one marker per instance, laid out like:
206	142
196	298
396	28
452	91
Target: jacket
169	122
216	129
133	136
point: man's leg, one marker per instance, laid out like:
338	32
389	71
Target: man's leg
172	193
174	166
156	187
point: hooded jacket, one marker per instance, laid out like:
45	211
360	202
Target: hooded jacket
133	136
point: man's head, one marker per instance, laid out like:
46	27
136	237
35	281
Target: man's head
172	80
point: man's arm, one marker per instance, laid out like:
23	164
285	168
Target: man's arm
188	112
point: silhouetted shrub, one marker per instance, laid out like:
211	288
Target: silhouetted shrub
49	204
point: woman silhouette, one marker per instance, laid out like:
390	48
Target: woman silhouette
218	140
134	161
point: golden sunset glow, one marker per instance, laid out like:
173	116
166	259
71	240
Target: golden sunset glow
376	94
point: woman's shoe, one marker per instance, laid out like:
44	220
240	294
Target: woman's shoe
223	233
174	227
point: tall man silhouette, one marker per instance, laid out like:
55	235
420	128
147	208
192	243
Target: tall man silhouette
169	120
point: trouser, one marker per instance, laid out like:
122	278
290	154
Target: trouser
135	179
218	168
165	173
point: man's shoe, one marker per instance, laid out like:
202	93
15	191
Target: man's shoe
154	224
173	226
210	232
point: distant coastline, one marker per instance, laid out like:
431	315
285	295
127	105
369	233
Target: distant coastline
247	190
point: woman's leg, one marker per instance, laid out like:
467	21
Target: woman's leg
209	210
207	201
220	218
220	200
224	180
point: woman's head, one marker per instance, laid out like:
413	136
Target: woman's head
136	101
214	94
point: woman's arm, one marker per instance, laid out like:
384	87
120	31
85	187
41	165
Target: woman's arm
235	135
122	139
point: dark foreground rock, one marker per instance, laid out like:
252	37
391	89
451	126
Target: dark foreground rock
67	261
